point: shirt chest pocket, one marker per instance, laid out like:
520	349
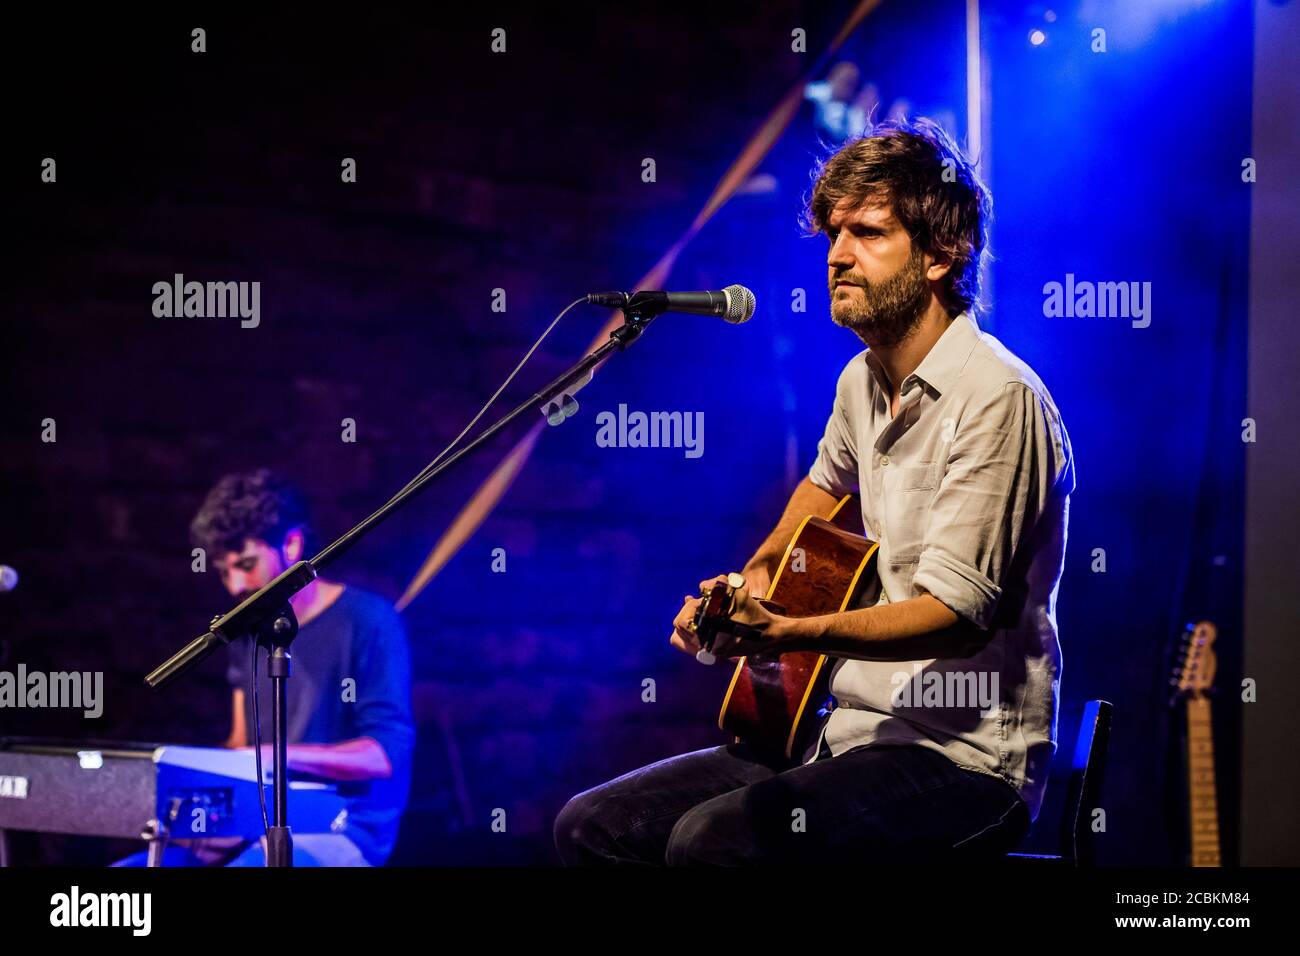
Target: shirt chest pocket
906	511
915	478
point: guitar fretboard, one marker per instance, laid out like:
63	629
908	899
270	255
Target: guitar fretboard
1200	779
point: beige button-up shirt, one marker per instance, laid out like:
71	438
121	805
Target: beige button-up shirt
967	491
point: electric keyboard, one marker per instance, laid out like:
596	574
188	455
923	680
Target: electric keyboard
149	791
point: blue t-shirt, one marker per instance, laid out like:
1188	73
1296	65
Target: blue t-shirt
351	678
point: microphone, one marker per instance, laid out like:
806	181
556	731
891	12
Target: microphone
734	304
8	578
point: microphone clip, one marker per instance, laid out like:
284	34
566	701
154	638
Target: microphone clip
564	405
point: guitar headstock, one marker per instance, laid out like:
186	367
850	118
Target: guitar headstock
1194	668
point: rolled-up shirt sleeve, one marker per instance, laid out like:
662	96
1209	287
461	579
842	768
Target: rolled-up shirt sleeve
1009	454
836	469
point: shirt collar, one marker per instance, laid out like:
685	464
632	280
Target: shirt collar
943	363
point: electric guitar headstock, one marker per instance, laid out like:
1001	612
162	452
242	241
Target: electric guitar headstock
1193	674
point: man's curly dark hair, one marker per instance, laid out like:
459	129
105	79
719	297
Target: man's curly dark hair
256	504
933	187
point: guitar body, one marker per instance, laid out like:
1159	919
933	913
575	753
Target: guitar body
772	702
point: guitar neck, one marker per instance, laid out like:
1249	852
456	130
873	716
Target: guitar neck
1200	783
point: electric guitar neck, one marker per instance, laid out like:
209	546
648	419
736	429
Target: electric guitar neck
1194	679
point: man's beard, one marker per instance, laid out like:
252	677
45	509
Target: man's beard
885	313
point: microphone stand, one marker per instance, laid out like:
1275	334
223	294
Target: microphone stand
267	617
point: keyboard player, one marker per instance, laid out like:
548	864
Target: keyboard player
349	699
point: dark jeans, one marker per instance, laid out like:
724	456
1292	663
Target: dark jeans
728	806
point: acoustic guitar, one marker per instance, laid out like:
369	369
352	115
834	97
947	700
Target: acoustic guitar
828	566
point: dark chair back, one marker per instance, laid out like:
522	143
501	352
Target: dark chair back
1086	777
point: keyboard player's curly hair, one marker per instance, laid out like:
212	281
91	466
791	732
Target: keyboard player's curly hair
256	504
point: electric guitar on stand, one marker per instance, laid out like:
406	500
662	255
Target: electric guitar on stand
828	566
1193	680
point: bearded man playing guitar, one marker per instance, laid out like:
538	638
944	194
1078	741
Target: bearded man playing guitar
964	470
